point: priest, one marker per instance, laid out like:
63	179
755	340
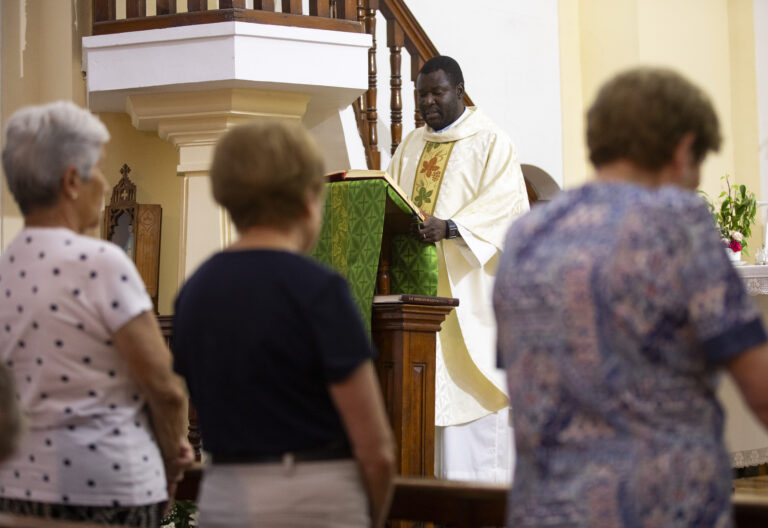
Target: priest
463	172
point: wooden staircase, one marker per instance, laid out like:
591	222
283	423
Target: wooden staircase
402	29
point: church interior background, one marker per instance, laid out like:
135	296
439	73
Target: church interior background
532	65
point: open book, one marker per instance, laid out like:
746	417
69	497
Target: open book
376	175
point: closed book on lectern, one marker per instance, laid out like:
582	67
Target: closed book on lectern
351	175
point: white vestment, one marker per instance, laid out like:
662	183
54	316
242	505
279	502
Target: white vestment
482	191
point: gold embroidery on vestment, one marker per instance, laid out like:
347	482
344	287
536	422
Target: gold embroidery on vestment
429	174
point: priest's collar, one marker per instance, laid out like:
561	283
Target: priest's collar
458	120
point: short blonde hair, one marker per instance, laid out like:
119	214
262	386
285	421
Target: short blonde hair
263	172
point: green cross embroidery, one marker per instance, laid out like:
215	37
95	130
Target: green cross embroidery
423	196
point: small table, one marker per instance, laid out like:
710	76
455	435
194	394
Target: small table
755	279
745	436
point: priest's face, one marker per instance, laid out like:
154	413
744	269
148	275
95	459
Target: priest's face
440	102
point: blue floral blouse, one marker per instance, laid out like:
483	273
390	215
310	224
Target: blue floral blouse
616	304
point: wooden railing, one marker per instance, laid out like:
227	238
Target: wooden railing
336	15
403	31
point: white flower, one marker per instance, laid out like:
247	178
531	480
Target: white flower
169	525
738	237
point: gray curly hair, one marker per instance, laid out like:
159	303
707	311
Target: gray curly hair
41	143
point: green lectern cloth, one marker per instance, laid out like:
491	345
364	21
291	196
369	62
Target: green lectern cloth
350	242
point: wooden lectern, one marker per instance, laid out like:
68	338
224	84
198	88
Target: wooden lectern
404	329
404	332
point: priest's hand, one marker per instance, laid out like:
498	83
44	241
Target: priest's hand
431	230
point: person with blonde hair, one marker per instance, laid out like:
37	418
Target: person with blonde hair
105	413
276	358
617	308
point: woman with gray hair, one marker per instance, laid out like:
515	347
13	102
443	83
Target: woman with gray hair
78	335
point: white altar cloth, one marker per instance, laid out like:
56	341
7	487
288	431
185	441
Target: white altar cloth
746	438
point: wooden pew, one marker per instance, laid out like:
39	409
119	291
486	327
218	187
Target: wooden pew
449	503
465	505
16	521
750	502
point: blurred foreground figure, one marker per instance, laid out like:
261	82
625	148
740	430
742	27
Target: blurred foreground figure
616	307
276	358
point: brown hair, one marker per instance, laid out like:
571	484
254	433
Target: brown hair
642	114
263	172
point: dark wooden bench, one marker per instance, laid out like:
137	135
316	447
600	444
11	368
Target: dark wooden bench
453	504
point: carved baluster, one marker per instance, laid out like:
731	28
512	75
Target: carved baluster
264	5
166	7
370	95
135	8
362	9
104	10
197	5
416	64
359	105
395	41
240	4
292	6
346	9
321	8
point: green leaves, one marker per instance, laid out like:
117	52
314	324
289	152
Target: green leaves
737	210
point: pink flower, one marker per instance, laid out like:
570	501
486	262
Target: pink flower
735	246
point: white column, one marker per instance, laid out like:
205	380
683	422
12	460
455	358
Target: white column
205	226
194	122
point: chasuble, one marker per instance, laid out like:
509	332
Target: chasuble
470	174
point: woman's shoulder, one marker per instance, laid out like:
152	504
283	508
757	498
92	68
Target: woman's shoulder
62	245
100	252
288	267
676	206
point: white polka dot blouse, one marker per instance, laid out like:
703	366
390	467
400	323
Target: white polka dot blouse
89	442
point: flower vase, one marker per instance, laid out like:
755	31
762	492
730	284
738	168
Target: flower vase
734	256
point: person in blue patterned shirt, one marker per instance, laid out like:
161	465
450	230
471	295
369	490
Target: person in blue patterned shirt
617	307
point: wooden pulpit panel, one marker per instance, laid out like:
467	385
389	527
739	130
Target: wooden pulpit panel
147	257
405	336
136	228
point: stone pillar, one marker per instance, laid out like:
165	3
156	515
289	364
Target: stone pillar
193	122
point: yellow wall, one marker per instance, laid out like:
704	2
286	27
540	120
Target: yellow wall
710	42
744	117
41	62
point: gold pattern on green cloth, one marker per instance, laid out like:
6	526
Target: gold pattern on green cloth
350	240
350	243
429	174
340	229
